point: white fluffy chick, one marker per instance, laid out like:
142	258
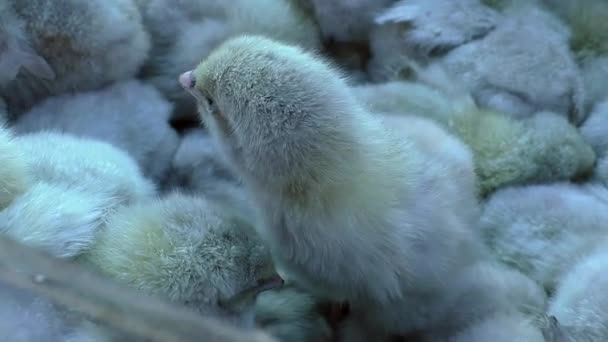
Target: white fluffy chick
580	303
85	164
311	157
486	294
500	328
130	115
421	29
183	32
55	218
522	67
347	20
542	230
15	49
185	249
14	178
595	129
488	289
87	45
72	187
506	151
291	315
589	42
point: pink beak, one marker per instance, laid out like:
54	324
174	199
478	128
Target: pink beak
187	80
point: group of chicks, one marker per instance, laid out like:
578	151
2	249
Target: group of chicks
429	170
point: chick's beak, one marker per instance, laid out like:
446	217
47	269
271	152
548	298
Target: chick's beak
187	80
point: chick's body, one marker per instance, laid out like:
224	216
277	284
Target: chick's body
72	187
129	115
87	45
86	164
522	67
341	199
542	230
183	248
506	151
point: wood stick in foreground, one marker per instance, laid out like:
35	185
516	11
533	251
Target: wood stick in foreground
105	301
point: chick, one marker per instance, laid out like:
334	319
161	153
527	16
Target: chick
183	248
506	151
92	166
484	296
311	157
187	30
489	288
589	42
347	20
500	328
541	230
424	29
580	302
15	49
130	115
521	67
56	219
86	44
13	168
291	315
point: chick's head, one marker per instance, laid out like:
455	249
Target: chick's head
279	114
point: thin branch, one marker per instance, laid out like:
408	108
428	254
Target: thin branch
105	301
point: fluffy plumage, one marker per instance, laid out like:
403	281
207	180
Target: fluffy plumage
14	178
595	73
130	115
197	165
290	315
78	163
506	151
589	42
183	248
56	219
73	186
15	49
521	67
542	230
595	129
580	302
184	32
312	157
423	29
86	45
347	20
